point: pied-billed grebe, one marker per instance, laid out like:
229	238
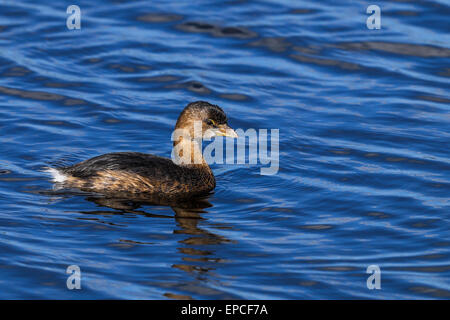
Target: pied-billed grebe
134	172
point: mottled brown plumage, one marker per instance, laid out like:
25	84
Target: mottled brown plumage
134	172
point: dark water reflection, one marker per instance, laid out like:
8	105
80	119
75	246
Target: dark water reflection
197	257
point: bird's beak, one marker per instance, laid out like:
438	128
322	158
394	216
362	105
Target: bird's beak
225	131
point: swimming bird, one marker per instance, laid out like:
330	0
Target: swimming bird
140	173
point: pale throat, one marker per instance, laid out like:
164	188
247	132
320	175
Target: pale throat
188	152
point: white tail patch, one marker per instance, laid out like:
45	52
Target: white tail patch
57	175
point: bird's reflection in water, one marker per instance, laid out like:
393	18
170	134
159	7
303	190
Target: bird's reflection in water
196	260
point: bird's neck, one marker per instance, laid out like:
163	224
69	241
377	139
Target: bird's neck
188	152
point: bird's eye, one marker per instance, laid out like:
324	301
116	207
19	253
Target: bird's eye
210	122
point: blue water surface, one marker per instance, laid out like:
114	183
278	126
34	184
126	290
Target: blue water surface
364	175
